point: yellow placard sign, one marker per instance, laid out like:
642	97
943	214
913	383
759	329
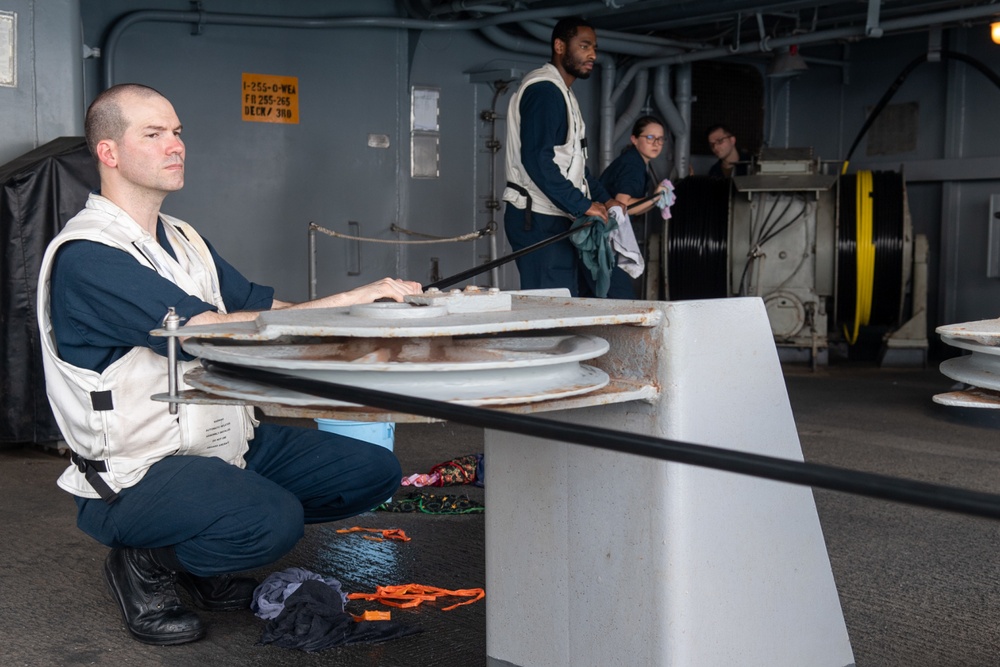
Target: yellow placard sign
270	99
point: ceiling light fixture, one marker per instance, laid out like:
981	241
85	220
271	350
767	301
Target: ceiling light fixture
787	63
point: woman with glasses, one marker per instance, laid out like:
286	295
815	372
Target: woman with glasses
628	179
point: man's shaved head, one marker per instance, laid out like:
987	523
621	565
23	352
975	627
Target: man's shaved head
105	118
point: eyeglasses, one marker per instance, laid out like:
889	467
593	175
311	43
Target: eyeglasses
718	142
653	140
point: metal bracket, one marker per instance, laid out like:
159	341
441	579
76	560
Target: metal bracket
312	260
172	322
872	28
356	227
198	27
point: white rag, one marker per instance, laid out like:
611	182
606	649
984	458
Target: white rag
623	241
666	199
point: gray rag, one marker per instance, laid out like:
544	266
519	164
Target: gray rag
269	597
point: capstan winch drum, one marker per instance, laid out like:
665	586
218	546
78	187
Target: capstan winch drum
620	558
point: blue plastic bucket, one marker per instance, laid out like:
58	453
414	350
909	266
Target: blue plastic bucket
378	433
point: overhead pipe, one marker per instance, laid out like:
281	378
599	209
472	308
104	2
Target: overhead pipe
201	18
668	110
682	146
607	115
487	25
623	85
613	42
633	110
679	15
678	122
768	44
505	40
872	28
610	40
457	6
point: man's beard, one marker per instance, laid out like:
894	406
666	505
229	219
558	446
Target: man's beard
574	68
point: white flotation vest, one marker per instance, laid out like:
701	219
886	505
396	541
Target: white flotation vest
570	157
108	418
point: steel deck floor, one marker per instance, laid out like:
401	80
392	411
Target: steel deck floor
917	586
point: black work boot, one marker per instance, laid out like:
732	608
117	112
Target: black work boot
220	593
143	587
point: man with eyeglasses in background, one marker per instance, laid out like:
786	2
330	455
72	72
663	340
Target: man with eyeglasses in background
732	161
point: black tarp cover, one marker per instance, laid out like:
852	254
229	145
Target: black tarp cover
39	192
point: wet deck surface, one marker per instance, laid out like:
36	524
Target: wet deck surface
917	586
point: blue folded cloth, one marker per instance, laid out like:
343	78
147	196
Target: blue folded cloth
595	250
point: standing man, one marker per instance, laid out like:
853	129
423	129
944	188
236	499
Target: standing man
732	162
548	183
192	497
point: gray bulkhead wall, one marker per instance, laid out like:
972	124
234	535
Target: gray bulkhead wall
47	100
455	203
253	187
957	111
966	218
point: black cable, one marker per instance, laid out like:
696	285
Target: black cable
764	230
500	261
742	291
483	268
772	234
697	240
847	250
887	237
753	245
888	95
913	492
767	235
883	102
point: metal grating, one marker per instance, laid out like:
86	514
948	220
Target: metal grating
731	95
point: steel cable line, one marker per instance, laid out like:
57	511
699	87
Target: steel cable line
913	492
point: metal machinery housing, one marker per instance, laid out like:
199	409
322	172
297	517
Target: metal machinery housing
828	254
782	241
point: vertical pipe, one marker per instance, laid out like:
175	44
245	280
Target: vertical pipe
625	121
355	227
493	203
495	271
951	191
682	147
312	261
607	111
668	110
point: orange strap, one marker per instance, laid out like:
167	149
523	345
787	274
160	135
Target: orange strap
371	615
412	595
387	533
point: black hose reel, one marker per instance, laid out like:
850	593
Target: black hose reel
868	255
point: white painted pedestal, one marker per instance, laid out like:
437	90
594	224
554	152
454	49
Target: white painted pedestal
598	558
